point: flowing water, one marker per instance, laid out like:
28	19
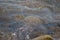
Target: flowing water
27	19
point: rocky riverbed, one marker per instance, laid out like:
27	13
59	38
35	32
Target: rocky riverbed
28	19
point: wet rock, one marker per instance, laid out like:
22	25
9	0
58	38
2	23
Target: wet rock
28	19
2	10
44	37
33	20
18	17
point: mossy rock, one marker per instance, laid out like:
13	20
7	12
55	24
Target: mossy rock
44	37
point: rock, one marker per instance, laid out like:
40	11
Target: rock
1	10
18	17
33	20
44	37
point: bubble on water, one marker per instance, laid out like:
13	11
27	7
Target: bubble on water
13	34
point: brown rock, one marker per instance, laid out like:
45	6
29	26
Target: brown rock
33	20
45	37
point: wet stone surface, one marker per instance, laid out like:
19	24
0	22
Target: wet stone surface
29	19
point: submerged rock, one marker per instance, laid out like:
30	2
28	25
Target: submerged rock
33	20
18	17
29	19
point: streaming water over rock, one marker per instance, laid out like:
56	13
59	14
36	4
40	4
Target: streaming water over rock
28	19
